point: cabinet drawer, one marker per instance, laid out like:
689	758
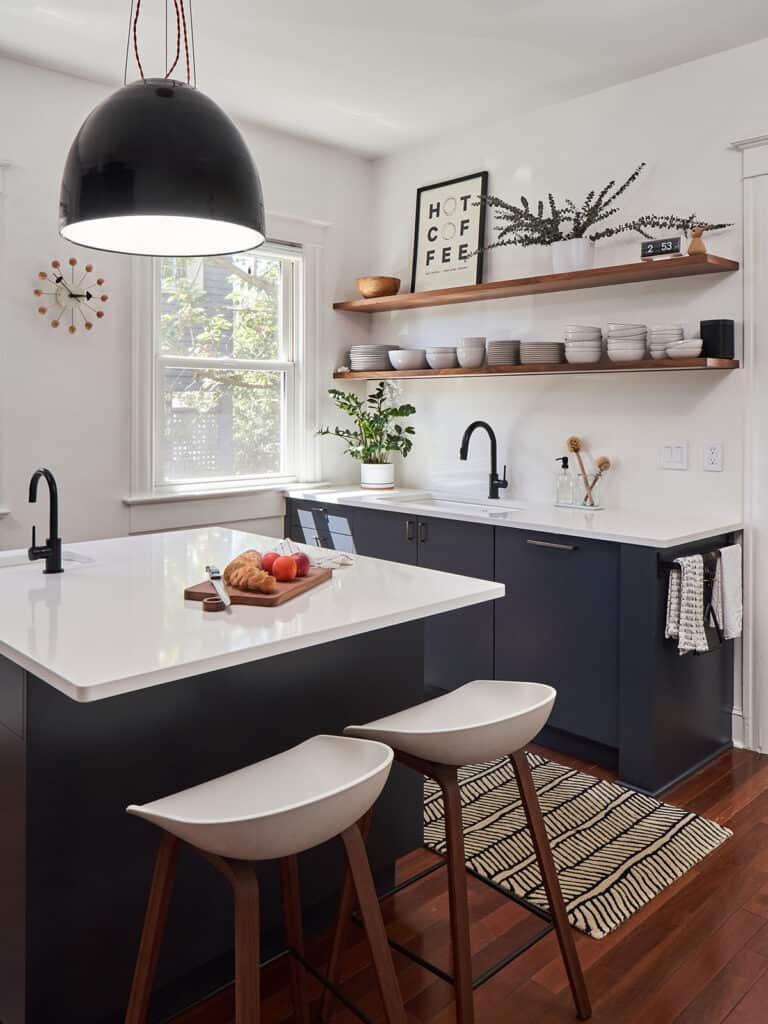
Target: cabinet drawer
559	624
322	518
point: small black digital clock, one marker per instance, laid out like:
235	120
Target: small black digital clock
661	247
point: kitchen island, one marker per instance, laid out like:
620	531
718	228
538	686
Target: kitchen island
115	690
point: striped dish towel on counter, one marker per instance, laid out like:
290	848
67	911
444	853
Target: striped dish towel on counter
685	605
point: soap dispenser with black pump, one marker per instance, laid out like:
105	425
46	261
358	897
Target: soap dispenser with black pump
564	485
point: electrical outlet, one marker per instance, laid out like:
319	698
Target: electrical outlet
674	455
713	457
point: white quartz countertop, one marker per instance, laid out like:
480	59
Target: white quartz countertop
659	529
116	621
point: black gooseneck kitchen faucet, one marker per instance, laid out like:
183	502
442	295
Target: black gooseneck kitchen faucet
51	550
495	481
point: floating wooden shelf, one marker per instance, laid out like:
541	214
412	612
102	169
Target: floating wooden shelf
625	273
531	369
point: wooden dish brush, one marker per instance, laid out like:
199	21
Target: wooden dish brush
603	464
575	444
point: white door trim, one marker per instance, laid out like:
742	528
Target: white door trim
753	727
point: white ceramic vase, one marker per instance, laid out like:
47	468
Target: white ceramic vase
377	476
572	254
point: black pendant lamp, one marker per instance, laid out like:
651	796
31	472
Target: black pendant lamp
158	169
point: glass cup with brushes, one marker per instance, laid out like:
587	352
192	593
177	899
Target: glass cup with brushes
584	484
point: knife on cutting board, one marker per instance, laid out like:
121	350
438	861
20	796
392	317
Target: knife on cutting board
214	575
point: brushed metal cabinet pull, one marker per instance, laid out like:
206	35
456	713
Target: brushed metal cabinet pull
316	508
423	533
409	532
551	544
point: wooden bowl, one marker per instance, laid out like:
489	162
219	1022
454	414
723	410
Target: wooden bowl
376	287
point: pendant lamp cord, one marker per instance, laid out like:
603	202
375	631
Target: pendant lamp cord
181	32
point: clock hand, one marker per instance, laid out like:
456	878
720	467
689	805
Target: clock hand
60	280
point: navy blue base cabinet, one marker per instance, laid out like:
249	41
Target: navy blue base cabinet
458	645
586	616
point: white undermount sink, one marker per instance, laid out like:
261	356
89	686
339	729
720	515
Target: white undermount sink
427	504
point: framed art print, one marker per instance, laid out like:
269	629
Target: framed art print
450	228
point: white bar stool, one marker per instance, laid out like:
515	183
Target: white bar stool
477	722
273	809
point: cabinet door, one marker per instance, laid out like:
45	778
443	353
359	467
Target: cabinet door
387	535
458	645
558	624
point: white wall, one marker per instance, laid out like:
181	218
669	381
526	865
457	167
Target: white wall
681	122
65	401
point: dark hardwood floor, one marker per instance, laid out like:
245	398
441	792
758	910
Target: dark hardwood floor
698	954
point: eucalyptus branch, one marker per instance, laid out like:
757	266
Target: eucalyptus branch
555	221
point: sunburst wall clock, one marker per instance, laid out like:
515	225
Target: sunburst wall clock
73	295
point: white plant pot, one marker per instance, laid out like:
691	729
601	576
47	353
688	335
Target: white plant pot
572	254
377	476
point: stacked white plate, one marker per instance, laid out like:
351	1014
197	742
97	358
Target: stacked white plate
583	344
503	353
626	342
370	357
442	357
661	335
471	352
541	352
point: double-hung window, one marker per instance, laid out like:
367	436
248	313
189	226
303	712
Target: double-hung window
227	347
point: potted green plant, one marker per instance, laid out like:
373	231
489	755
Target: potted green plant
375	434
569	229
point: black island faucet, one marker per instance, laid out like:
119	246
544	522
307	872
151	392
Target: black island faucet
51	550
495	482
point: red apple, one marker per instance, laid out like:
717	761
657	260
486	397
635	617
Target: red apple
302	564
284	568
268	560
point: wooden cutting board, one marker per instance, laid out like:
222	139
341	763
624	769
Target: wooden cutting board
284	592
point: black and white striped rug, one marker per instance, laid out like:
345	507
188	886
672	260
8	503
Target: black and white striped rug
615	849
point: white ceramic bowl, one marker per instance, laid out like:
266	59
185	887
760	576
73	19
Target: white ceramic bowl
583	342
583	332
689	349
582	357
583	327
408	359
470	359
472	342
627	352
626	335
442	360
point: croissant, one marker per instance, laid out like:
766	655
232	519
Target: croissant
250	559
246	577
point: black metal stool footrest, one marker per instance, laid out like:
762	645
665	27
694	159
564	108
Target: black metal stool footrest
489	973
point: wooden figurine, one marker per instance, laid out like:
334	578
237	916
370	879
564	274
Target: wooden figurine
696	246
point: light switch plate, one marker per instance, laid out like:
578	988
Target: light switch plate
712	459
674	455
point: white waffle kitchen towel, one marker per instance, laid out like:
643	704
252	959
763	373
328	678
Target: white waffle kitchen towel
727	597
685	605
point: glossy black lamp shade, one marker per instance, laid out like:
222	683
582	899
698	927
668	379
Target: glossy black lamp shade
158	169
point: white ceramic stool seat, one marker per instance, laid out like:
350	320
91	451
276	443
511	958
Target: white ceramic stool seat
280	806
479	721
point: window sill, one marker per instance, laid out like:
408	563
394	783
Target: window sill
287	483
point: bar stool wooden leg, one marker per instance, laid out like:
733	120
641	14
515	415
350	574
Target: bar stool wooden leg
448	781
245	886
154	928
360	870
551	883
341	931
294	934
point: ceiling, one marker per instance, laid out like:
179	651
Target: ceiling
375	77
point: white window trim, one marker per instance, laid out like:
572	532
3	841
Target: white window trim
288	230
